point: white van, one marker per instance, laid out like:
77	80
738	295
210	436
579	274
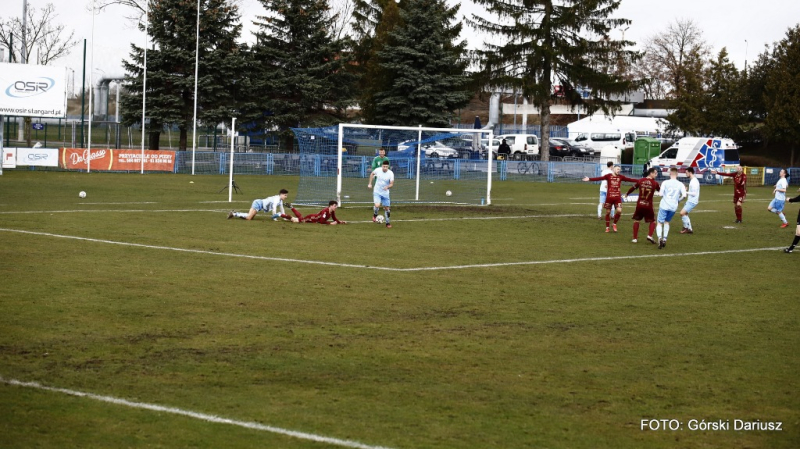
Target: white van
601	139
702	153
521	144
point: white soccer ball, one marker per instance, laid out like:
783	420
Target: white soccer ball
82	194
448	193
380	219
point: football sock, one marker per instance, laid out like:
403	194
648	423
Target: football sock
782	217
738	212
240	215
635	229
375	211
600	210
652	228
616	218
608	219
387	214
658	230
613	212
666	230
686	222
795	242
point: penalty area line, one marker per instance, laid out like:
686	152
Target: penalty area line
196	415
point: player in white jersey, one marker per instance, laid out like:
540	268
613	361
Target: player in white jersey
693	197
270	205
776	205
672	192
604	190
384	180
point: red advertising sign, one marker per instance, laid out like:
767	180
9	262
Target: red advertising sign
112	160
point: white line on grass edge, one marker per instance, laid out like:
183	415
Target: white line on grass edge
347	265
195	415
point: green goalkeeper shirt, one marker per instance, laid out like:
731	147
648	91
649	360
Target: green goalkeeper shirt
378	162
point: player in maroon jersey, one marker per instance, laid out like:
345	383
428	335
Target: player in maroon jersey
321	217
613	197
647	186
739	189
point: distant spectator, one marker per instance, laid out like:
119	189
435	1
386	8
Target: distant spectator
503	150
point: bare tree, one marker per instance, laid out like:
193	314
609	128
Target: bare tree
45	40
665	56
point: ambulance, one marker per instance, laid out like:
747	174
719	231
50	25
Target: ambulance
702	153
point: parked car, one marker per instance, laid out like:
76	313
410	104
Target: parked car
569	148
432	149
521	144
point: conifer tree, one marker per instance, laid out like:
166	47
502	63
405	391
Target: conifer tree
724	98
782	95
299	68
565	42
172	32
425	66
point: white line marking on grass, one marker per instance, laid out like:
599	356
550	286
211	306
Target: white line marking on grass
346	265
195	415
105	204
109	210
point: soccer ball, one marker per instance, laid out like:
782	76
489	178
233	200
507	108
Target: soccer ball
82	194
380	219
448	193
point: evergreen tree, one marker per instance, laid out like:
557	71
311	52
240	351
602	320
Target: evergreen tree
782	95
171	67
424	65
724	105
301	77
563	40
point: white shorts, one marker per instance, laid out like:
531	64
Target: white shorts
383	200
689	206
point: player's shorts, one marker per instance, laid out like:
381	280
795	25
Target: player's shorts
737	198
603	197
258	205
776	205
644	213
665	215
383	200
689	206
612	202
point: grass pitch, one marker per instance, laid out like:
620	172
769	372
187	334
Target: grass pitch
517	325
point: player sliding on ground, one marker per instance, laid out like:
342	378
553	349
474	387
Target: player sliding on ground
647	186
271	204
613	196
321	217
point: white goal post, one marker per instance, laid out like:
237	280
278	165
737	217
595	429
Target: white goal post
414	146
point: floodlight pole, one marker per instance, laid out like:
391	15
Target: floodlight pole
233	140
489	168
196	64
91	108
144	73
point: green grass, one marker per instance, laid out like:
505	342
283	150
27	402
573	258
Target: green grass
556	355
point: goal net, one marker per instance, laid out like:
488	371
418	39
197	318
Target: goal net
452	168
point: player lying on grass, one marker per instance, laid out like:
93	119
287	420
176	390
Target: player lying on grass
321	217
613	196
647	186
797	229
271	204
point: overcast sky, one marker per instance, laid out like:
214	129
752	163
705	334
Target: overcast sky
744	27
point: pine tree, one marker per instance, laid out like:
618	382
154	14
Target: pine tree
424	66
300	71
171	67
724	98
782	95
563	40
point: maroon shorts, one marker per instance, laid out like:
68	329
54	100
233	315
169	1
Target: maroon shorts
644	213
737	198
612	202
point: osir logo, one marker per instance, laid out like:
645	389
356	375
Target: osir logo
30	88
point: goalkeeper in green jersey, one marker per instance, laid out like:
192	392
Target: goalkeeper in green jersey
377	162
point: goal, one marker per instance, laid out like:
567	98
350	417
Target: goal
335	164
